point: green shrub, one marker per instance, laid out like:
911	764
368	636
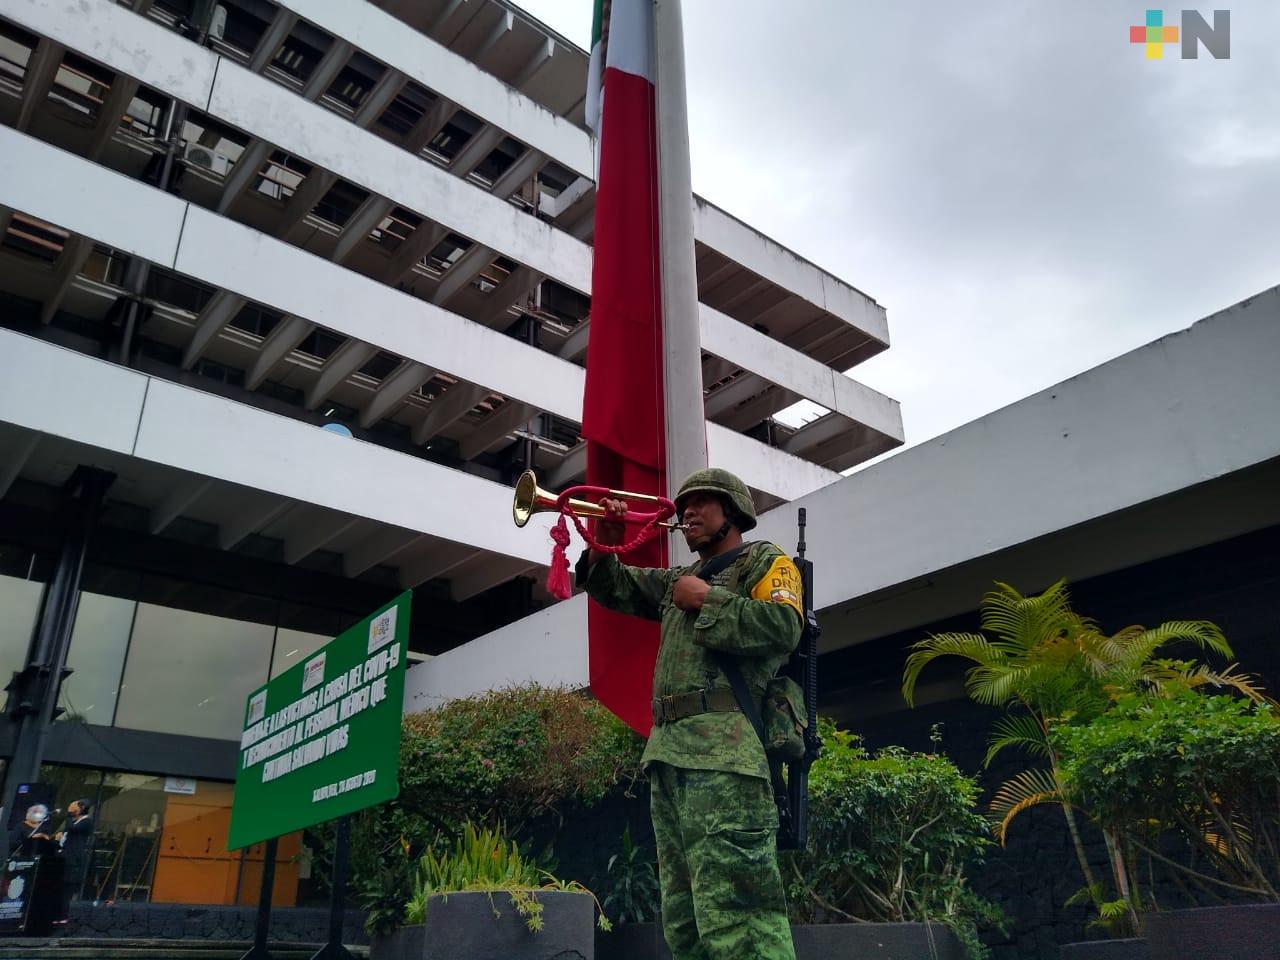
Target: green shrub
511	755
890	836
1191	775
502	758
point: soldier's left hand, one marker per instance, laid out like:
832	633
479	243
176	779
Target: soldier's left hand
689	593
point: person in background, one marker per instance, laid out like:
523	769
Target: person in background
32	834
76	838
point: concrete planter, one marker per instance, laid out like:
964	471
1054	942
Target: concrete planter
632	941
1106	950
820	941
876	941
1246	932
462	926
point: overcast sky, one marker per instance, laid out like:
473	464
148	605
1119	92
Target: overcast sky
1025	193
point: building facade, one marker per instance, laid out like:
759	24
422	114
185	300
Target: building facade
290	293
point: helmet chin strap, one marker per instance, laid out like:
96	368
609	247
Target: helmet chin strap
715	537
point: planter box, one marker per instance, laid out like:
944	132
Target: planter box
819	941
876	941
632	941
462	926
1247	932
1106	950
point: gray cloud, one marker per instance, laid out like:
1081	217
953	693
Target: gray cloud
1022	189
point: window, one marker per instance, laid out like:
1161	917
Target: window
81	84
404	112
354	81
294	646
35	238
499	160
395	228
461	127
256	320
19	611
321	344
189	673
99	640
297	58
381	366
280	175
342	200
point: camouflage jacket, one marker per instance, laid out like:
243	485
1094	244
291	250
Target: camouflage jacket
752	611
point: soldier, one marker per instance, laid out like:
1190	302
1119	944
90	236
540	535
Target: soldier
710	796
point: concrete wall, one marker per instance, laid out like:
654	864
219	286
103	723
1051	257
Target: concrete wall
66	394
1194	406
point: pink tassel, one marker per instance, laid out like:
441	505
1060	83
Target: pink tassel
558	583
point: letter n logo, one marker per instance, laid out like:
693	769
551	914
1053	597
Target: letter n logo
1216	39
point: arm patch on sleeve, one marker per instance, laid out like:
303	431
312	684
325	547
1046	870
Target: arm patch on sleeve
781	584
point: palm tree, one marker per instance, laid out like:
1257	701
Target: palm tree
1051	665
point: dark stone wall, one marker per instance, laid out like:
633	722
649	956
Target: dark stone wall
180	921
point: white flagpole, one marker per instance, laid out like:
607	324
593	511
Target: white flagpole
686	431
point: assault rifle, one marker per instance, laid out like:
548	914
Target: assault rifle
793	826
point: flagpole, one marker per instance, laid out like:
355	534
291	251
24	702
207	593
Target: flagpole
686	430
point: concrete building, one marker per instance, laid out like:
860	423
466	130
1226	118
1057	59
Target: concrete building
287	300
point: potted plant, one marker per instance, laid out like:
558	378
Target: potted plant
1188	785
482	900
891	835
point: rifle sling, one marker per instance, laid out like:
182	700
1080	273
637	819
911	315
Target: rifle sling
733	673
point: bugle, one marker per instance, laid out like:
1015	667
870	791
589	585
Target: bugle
531	498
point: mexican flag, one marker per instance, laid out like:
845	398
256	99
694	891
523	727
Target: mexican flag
624	419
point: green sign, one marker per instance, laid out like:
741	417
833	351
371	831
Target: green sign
323	739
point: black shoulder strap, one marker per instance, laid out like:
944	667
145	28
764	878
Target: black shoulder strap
720	562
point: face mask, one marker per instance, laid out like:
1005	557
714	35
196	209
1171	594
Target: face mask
38	817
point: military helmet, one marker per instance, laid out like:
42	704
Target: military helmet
723	484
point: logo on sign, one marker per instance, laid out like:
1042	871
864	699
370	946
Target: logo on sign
257	708
1195	32
313	673
382	630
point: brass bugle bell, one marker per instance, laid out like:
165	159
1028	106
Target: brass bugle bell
531	498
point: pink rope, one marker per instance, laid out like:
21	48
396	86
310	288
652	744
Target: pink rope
559	583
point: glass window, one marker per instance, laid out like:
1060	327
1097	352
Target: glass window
130	818
98	643
189	673
19	610
294	646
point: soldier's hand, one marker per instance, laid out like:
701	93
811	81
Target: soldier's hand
612	531
690	592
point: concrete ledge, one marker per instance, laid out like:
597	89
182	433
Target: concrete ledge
134	924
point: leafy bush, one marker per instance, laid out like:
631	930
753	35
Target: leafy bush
483	860
505	757
890	837
1199	774
510	755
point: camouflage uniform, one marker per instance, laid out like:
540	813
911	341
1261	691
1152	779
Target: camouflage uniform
711	801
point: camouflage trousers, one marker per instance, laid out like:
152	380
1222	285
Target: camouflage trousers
722	896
